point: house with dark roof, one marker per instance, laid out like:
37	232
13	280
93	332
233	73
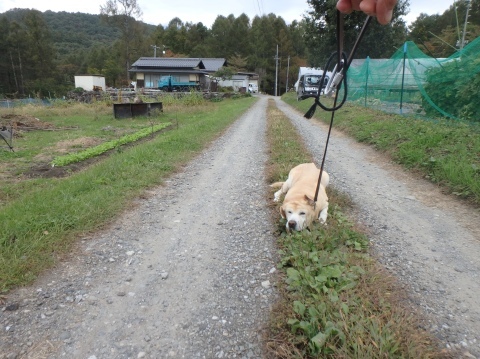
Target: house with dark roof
174	73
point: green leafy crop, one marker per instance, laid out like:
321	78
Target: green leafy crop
104	147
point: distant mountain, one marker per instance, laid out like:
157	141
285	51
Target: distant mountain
73	32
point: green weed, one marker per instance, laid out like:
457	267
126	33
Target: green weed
336	302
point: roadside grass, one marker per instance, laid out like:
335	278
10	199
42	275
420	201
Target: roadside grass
74	127
335	300
45	217
71	127
445	152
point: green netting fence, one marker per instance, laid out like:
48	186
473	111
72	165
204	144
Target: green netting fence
411	82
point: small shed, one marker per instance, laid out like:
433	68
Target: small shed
240	81
90	82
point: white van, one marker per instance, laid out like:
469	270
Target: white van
252	88
309	84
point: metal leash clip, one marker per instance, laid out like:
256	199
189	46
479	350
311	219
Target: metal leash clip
339	76
335	80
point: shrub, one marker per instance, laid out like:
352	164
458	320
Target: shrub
454	89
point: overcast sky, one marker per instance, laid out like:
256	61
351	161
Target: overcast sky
162	11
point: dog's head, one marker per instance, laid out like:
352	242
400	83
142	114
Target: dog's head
299	214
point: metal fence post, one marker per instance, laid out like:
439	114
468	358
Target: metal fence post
403	76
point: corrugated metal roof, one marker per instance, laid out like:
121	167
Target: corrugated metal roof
170	62
213	64
240	77
209	64
169	71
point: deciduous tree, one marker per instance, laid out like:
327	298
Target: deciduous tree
123	14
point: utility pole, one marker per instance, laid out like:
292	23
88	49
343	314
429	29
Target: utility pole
288	68
155	47
462	44
276	73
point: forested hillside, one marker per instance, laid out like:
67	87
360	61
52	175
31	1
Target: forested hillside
71	32
41	52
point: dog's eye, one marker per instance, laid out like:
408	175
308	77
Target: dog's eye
302	213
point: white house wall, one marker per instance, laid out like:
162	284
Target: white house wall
235	84
89	82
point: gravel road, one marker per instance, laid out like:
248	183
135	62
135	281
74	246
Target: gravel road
189	271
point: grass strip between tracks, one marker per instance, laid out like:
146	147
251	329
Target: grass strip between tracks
336	301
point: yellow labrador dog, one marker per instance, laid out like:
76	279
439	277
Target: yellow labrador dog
298	207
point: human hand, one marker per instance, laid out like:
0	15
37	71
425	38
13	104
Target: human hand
381	9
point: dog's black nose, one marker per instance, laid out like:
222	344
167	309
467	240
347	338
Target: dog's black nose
292	224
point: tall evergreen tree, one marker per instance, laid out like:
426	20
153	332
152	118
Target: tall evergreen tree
17	43
264	38
219	39
175	37
197	39
27	57
238	37
4	50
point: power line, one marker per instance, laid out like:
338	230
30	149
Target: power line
260	7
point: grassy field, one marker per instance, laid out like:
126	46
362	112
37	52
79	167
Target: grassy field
445	152
336	301
42	216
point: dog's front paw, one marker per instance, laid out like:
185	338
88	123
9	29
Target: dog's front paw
322	218
276	196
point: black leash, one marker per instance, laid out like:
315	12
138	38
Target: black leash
335	82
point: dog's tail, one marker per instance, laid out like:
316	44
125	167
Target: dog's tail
277	184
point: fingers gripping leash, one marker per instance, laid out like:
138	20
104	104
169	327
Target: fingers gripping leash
335	83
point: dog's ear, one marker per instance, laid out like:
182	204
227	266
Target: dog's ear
282	212
310	201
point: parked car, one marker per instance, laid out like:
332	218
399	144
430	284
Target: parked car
252	88
309	84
